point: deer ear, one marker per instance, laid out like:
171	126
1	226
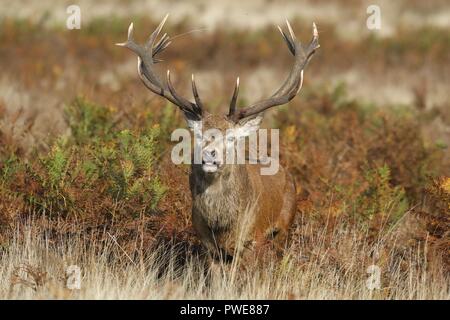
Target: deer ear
247	126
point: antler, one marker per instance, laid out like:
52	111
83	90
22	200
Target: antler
291	85
146	62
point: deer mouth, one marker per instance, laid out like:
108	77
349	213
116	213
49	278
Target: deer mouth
210	167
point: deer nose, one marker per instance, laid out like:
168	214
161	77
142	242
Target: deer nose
209	155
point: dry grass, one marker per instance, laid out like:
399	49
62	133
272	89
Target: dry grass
33	267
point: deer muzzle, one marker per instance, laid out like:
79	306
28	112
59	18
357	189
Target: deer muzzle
210	160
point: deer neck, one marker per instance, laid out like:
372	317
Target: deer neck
220	197
231	179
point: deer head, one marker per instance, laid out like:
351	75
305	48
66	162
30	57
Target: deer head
239	122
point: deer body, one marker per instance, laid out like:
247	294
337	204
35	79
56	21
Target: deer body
234	207
220	204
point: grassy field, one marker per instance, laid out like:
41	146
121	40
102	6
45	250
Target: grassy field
35	268
86	177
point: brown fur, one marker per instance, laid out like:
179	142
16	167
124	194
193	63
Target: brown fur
237	209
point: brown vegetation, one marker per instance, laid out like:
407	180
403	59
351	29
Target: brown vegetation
85	156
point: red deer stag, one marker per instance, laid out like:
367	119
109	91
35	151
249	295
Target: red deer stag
224	194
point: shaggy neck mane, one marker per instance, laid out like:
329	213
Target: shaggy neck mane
219	195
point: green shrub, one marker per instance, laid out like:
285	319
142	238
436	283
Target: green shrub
98	171
88	121
380	199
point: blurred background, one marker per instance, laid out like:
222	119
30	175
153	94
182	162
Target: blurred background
86	145
44	64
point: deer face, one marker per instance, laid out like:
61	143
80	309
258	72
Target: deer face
216	139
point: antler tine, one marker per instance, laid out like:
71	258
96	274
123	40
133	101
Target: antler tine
293	82
288	41
152	38
234	99
314	44
198	102
180	99
184	104
291	32
161	44
146	61
130	44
